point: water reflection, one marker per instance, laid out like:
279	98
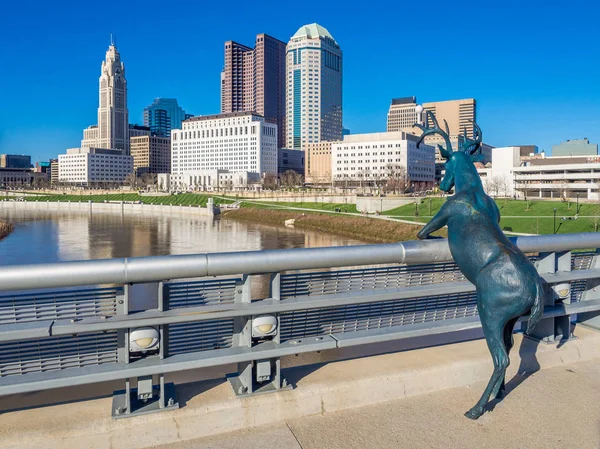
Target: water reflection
51	236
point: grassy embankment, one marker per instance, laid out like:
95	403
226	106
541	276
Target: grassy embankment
184	199
517	216
360	228
187	199
5	228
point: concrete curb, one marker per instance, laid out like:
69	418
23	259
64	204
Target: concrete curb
210	407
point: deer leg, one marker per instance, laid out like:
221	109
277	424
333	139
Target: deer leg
509	342
494	336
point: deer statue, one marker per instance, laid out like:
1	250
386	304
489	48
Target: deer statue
507	284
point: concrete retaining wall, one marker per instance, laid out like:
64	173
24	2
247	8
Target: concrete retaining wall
374	204
108	207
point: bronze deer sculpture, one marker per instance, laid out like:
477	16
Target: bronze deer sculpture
508	285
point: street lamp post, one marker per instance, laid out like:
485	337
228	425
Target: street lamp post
577	208
554	226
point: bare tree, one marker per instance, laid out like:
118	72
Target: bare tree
149	179
494	185
131	180
396	178
505	185
269	181
291	179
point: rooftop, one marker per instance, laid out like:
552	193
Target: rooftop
404	100
313	31
226	115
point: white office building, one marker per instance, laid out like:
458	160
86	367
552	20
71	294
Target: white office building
208	181
517	172
234	142
86	166
375	157
313	87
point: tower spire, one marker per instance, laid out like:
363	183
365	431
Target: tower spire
112	40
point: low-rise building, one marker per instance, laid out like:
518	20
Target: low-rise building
86	166
207	180
575	147
15	177
151	154
518	172
378	157
15	161
559	177
317	166
290	159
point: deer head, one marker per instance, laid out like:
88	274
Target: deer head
467	153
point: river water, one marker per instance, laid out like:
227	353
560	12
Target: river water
47	236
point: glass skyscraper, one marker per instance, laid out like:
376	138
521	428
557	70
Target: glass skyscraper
163	115
314	87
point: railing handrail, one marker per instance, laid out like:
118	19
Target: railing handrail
160	268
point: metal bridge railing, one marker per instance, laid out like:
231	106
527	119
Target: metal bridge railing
75	323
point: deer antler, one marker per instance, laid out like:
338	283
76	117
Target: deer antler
445	152
470	146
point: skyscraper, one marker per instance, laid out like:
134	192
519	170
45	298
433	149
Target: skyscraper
402	114
459	114
112	130
253	79
163	115
313	87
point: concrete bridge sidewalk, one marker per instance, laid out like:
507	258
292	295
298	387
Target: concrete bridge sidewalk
412	399
554	408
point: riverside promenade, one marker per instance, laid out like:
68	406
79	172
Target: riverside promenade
407	399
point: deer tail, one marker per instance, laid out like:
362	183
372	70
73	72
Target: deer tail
537	310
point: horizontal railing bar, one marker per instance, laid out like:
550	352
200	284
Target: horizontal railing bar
201	359
445	326
160	268
146	367
398	333
201	313
47	328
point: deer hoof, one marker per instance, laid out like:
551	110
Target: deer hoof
474	413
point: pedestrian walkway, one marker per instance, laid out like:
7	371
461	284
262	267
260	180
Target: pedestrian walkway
412	399
552	409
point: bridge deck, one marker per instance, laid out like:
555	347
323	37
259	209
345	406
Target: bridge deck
554	408
407	399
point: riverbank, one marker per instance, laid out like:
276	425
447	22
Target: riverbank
110	208
361	228
5	228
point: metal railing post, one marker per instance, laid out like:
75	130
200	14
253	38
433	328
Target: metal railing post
552	329
260	376
241	382
592	291
147	397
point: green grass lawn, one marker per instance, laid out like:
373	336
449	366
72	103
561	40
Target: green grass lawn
305	205
183	199
537	219
186	199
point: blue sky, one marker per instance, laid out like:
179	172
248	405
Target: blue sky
534	67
